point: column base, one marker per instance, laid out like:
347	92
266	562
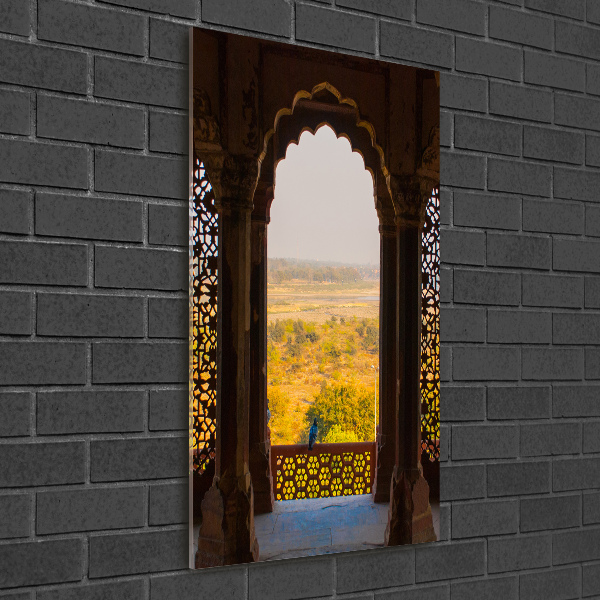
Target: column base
227	531
262	479
409	518
384	471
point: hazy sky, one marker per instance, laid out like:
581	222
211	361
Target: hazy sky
323	206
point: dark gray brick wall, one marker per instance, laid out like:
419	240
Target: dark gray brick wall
93	298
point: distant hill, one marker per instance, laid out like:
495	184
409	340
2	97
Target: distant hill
280	270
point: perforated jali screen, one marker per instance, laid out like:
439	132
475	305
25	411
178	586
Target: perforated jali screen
430	336
204	248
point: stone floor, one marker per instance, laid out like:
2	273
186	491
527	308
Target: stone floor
323	526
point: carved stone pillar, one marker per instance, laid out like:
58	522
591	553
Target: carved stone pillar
260	438
409	518
386	440
227	531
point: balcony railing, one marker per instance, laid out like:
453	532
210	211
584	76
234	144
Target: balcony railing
325	471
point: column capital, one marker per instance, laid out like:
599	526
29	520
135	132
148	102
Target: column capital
410	196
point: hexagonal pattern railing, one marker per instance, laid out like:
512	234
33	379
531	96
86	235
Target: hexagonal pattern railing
325	471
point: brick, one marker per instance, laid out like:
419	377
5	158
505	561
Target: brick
43	67
552	290
576	401
520	102
168	318
168	225
519	327
506	588
462	247
89	510
88	218
157	362
169	41
64	462
435	562
90	315
578	328
211	581
578	40
552	217
37	163
591	437
169	410
90	122
267	16
437	592
462	325
15	408
552	363
137	268
488	58
486	210
122	460
470	442
14	516
14	17
462	482
592	12
591	579
577	111
358	572
169	504
15	313
459	15
14	111
592	221
520	403
485	363
592	82
550	439
592	150
557	512
131	553
576	185
182	8
90	26
520	177
446	283
575	474
592	363
487	135
544	69
418	45
463	404
446	125
287	580
477	519
332	28
561	584
399	9
487	287
462	170
591	507
15	211
518	251
43	263
521	27
462	92
574	9
576	546
89	412
141	175
518	478
140	82
518	553
122	590
592	292
574	255
553	144
41	562
168	132
42	363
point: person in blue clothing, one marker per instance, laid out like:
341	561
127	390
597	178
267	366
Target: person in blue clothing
312	435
